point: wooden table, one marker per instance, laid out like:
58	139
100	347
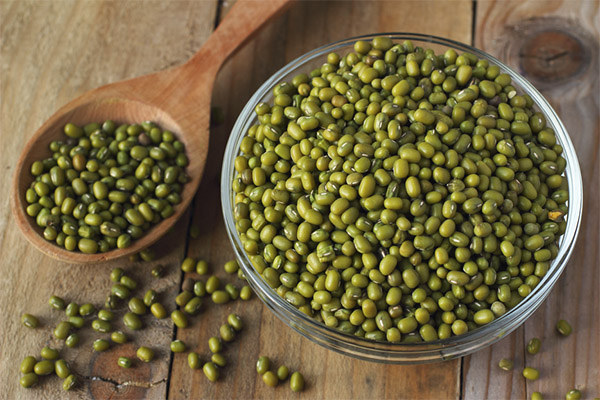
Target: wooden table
52	51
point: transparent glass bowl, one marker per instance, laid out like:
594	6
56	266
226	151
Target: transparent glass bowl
401	353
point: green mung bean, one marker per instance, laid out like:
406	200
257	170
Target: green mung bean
30	321
145	354
72	340
178	346
211	371
564	328
263	364
573	394
194	360
28	380
534	345
69	382
124	362
531	373
101	345
297	382
158	310
132	321
27	364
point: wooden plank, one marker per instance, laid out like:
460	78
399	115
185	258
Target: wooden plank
566	71
329	375
51	52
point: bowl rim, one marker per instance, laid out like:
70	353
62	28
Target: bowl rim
376	350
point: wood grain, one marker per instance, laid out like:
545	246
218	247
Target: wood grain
329	375
503	28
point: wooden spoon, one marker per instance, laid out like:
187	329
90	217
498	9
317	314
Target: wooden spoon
177	99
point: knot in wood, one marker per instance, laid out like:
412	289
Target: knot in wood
552	50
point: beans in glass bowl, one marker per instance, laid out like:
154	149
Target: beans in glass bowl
400	195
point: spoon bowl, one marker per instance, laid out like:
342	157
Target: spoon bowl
177	99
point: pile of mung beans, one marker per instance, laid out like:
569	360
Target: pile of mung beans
188	304
105	185
399	195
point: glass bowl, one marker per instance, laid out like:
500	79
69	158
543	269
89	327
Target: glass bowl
401	353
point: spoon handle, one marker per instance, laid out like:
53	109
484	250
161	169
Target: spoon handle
243	20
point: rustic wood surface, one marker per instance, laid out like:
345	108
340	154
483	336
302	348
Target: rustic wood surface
53	51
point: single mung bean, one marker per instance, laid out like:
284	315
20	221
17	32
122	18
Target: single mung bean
72	310
506	364
202	267
235	321
116	274
220	297
106	315
124	362
101	326
118	337
157	272
233	291
564	328
573	394
218	359
531	373
69	382
101	345
128	282
212	284
49	353
297	382
30	321
263	364
179	319
56	302
137	306
227	332
120	291
211	371
62	330
150	297
534	345
145	354
86	309
282	373
28	380
246	293
72	340
270	379
132	321
177	346
193	360
182	298
215	345
27	364
188	264
44	367
158	310
231	267
61	369
193	306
